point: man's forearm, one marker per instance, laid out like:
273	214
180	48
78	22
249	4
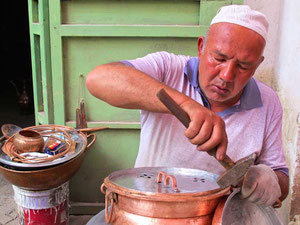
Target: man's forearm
283	181
125	87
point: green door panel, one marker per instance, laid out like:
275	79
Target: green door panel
40	57
114	149
95	51
130	12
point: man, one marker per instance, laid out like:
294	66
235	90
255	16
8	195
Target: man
228	109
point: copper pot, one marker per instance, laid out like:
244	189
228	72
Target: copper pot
28	141
137	196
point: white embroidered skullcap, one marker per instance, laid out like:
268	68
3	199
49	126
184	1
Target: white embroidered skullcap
244	16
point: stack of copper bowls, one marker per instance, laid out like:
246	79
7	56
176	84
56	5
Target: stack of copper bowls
45	175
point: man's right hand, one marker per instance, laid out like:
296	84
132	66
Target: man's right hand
206	129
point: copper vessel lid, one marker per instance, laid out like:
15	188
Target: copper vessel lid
144	180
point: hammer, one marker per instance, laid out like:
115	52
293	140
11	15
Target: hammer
234	171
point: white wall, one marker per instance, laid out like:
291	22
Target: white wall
265	72
281	70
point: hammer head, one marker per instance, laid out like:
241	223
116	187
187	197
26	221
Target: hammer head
237	172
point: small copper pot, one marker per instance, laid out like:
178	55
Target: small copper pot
28	141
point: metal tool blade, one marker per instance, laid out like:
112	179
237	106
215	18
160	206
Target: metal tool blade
237	172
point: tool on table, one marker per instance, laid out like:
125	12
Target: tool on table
234	171
92	129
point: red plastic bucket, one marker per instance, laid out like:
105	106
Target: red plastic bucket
50	207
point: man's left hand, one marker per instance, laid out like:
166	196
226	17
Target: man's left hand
261	185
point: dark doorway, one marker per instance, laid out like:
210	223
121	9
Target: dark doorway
16	78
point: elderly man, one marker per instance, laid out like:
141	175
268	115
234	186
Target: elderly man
228	108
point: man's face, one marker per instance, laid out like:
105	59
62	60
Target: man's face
230	57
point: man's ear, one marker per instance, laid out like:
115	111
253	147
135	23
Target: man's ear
262	59
200	45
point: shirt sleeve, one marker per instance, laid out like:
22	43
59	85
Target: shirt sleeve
162	66
152	64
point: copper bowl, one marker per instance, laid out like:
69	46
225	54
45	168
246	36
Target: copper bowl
28	141
43	179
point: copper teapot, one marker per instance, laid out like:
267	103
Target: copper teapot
24	99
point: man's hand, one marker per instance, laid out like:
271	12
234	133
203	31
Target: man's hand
206	129
261	185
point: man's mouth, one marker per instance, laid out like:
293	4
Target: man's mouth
220	89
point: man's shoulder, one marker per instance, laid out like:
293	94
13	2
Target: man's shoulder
265	90
169	56
268	95
162	61
159	58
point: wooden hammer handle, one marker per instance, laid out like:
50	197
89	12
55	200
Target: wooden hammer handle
181	115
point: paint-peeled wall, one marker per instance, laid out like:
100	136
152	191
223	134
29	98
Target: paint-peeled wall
281	71
287	72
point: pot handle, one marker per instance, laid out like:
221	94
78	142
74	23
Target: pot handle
163	175
102	188
112	198
92	141
277	204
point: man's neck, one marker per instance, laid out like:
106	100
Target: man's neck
220	107
217	109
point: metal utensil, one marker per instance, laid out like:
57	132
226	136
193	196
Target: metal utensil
234	171
240	211
9	130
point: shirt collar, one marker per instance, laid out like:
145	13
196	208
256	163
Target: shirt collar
250	99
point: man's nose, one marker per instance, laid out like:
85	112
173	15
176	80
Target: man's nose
227	73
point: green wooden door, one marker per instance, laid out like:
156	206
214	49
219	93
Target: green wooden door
69	38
